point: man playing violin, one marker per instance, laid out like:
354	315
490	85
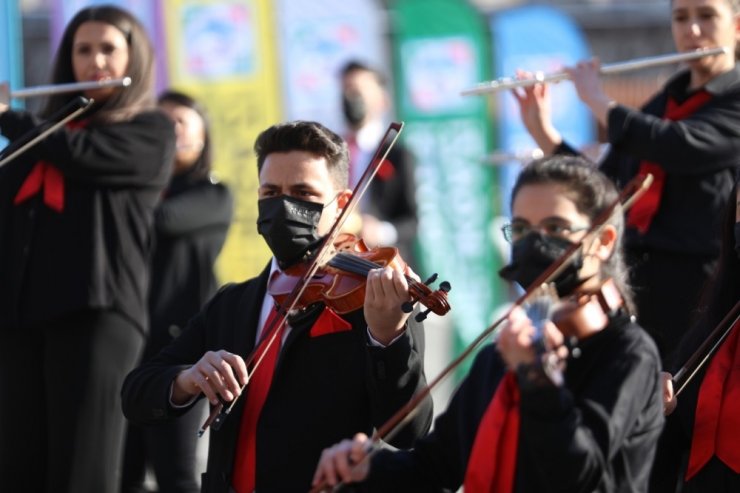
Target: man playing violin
333	375
520	421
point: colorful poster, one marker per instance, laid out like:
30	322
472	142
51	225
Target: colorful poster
316	39
441	48
536	39
223	54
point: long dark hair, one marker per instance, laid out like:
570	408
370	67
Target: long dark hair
202	167
721	291
592	193
122	104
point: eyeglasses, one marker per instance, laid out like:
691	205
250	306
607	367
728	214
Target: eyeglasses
518	229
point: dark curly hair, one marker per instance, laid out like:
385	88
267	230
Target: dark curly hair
311	137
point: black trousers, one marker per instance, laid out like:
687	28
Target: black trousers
170	450
61	425
667	290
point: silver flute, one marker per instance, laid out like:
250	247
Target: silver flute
70	87
506	83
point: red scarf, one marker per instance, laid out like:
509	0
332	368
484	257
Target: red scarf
492	462
44	175
643	211
244	477
717	420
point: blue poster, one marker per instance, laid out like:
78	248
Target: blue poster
11	66
536	39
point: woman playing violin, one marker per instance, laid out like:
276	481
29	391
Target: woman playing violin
514	424
333	375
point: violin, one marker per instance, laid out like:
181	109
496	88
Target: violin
588	311
340	283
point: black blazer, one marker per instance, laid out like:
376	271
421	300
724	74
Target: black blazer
393	199
324	389
95	253
190	226
700	155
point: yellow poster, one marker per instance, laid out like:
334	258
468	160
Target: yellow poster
223	54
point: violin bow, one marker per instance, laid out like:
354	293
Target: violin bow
67	113
629	194
220	411
710	345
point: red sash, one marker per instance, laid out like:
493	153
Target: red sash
492	462
717	420
44	175
244	477
47	176
641	214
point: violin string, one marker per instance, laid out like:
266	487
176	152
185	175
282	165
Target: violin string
539	310
360	266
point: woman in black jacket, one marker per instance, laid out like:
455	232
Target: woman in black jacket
515	424
76	213
190	228
688	137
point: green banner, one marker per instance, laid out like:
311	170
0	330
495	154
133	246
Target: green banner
441	48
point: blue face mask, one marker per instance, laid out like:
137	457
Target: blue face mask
737	239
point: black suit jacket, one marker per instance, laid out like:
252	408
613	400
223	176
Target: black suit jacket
392	198
324	389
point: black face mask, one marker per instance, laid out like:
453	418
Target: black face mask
354	108
737	239
289	227
534	253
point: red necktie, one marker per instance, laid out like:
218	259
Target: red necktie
47	176
643	211
717	420
245	462
492	462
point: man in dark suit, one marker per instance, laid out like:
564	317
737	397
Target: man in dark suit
389	209
334	374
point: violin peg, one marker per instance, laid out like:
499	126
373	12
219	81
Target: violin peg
421	316
431	279
445	286
407	307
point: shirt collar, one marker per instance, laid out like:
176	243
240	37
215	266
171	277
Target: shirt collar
677	87
369	136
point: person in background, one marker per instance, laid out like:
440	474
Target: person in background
518	423
389	208
699	450
688	137
190	226
326	375
76	213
